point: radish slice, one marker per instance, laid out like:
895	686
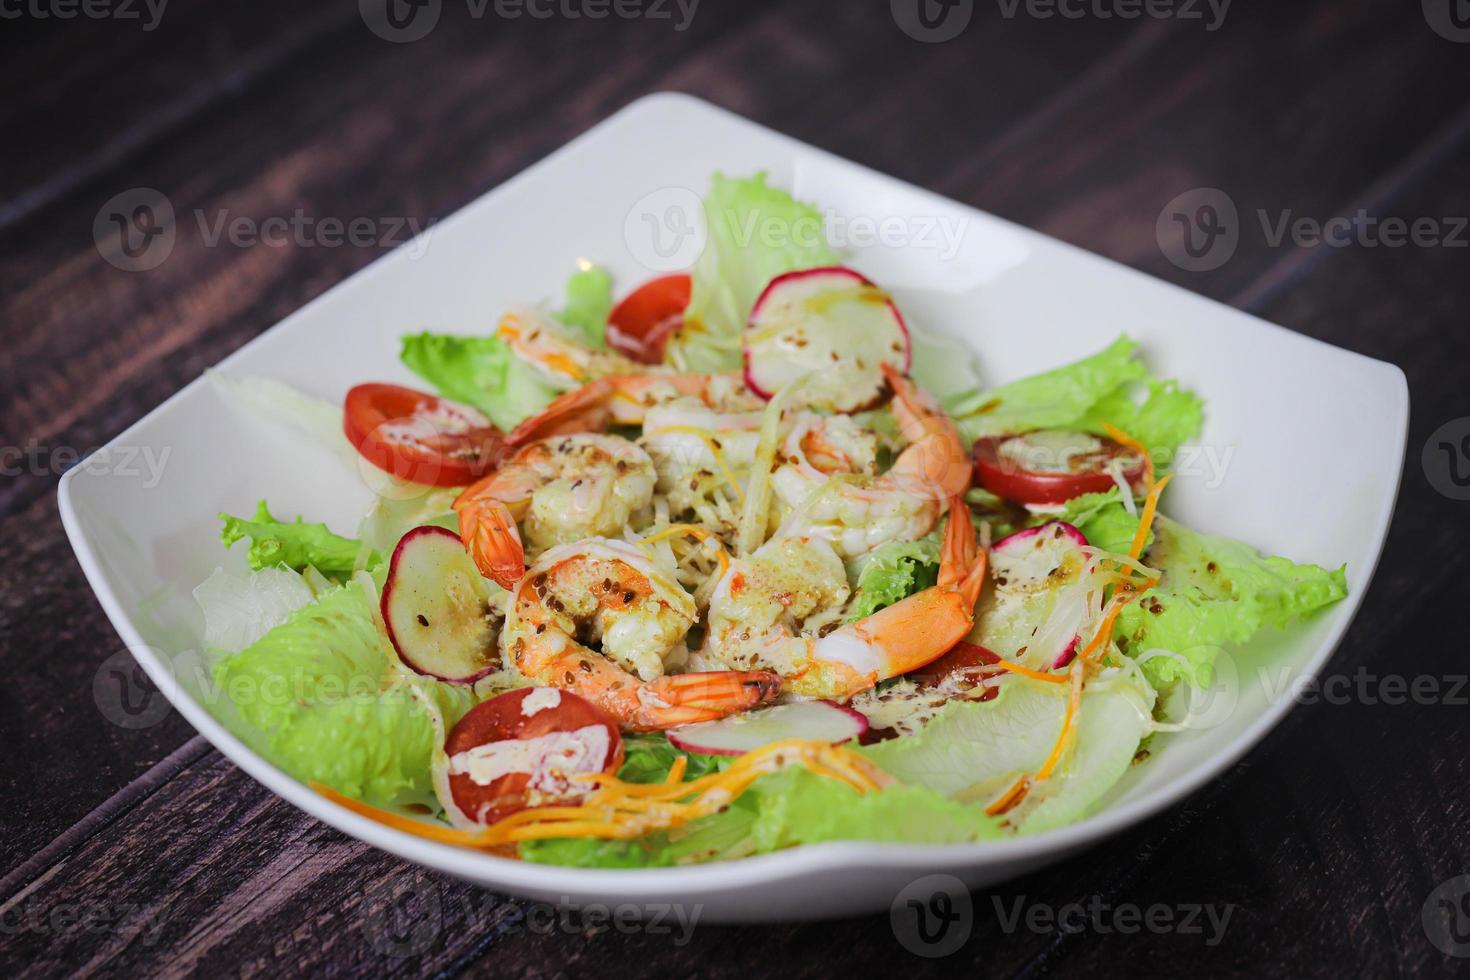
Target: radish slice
831	323
821	721
437	608
1036	611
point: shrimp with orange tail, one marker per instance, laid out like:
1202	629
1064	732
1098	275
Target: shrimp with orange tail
751	621
611	594
858	513
559	488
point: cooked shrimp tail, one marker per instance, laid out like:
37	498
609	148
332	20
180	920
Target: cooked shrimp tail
583	409
935	459
911	632
489	532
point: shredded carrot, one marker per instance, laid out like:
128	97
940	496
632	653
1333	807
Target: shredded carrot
693	531
714	449
1123	438
1150	508
1069	720
1100	640
1010	797
1038	675
618	810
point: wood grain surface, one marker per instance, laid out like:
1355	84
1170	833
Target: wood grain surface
143	852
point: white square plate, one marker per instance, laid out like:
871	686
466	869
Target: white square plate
1313	436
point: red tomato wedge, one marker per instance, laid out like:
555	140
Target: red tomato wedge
418	437
640	324
1052	467
518	750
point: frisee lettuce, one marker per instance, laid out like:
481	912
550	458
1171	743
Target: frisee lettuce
296	544
892	572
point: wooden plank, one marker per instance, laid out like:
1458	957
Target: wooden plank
1083	174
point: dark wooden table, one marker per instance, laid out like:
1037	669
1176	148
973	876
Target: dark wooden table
144	851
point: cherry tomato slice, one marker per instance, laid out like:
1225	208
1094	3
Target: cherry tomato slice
640	324
962	656
516	751
1051	467
418	437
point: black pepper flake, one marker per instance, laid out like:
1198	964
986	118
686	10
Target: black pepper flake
423	620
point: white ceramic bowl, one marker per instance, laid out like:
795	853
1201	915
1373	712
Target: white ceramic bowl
1308	442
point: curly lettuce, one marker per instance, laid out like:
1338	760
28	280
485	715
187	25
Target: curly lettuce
1111	386
754	232
892	572
296	544
1215	591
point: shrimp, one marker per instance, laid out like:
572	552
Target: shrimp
610	593
858	513
562	488
752	626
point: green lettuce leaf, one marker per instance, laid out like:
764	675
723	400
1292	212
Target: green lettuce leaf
296	544
755	232
1215	591
648	758
481	372
1110	386
894	571
1102	519
783	810
589	301
975	750
311	693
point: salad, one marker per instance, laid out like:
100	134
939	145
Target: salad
738	562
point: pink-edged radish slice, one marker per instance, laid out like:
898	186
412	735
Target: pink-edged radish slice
437	608
1035	613
831	324
819	721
